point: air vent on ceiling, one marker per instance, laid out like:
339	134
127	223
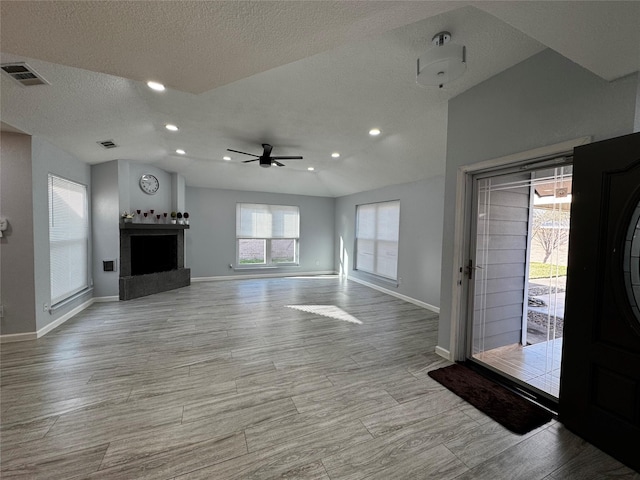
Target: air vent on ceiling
107	144
23	74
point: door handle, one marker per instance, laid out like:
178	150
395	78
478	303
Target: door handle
468	270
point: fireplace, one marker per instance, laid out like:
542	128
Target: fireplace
153	253
151	259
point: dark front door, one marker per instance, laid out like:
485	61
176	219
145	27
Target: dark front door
600	386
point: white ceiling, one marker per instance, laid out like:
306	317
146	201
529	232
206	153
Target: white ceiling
309	77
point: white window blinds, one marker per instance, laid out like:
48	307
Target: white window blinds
377	232
267	221
68	238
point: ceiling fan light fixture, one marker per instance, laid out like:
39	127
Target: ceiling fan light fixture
374	132
171	127
441	64
335	155
226	157
180	151
266	159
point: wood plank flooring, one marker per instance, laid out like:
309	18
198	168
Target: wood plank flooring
259	379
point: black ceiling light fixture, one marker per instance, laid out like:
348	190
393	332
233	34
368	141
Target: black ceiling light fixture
443	63
266	160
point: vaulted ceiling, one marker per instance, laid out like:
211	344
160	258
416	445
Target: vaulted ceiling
309	77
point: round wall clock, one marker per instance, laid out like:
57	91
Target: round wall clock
149	183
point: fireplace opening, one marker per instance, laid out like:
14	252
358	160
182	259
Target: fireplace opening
153	253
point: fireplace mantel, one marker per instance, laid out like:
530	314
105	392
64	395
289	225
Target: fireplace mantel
152	226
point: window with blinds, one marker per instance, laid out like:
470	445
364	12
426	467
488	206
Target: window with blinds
68	238
377	233
267	235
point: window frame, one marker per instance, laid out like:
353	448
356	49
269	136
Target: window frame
268	248
377	241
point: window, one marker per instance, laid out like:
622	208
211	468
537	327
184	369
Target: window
377	231
267	235
68	238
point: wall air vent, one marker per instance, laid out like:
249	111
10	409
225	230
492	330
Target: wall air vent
107	144
23	74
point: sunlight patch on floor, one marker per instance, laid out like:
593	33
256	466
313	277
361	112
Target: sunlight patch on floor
330	311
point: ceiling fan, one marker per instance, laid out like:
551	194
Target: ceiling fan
266	160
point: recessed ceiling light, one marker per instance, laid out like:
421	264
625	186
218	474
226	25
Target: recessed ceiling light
171	127
375	132
158	87
335	155
227	158
311	169
180	151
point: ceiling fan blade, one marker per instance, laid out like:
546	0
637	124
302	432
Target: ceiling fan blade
277	163
267	149
254	160
244	153
287	158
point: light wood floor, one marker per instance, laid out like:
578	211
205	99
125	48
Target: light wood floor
226	380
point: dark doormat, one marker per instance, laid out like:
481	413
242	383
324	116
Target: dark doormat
506	407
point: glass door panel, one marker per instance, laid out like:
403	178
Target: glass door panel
518	264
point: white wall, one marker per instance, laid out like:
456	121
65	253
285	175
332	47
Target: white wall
17	290
542	101
47	158
421	205
211	239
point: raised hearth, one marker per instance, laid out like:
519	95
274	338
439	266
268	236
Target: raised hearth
151	259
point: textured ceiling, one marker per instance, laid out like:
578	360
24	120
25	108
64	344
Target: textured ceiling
310	78
194	46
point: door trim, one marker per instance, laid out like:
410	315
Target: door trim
458	306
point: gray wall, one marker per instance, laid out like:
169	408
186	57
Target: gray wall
124	192
178	187
211	240
105	215
17	290
421	205
46	158
544	100
115	188
161	201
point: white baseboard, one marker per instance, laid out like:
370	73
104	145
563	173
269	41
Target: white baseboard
18	337
21	337
444	353
60	320
112	298
261	275
406	298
